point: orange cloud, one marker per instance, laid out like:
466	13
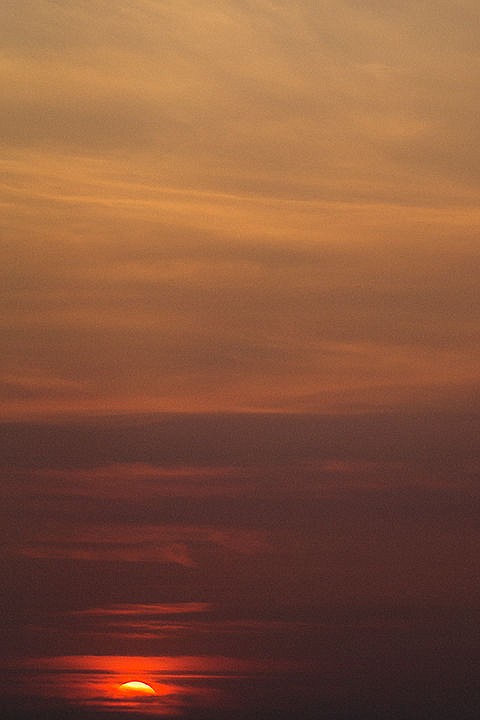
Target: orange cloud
209	218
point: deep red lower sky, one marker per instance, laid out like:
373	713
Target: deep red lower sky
242	565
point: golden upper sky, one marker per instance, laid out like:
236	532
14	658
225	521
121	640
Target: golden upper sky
239	205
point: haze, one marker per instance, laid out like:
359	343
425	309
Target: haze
240	359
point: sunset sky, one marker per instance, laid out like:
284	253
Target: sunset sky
240	366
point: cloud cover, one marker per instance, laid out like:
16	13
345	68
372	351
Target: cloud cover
240	368
238	206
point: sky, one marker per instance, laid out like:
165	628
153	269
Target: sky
239	377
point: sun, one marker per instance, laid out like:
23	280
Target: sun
134	688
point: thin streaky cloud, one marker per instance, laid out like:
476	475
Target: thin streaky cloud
147	609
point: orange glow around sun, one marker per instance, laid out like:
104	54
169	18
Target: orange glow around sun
112	682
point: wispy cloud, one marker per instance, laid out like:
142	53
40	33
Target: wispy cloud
93	681
146	609
263	191
176	544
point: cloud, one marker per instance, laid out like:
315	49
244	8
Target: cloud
146	609
89	681
262	191
247	91
337	328
329	497
137	551
150	622
137	540
240	358
115	481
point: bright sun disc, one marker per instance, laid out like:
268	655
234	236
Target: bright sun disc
136	689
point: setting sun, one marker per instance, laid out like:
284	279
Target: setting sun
136	689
